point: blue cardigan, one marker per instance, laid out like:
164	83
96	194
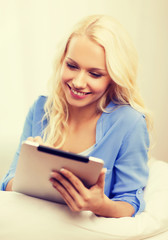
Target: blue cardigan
122	141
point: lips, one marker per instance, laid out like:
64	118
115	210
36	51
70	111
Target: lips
78	93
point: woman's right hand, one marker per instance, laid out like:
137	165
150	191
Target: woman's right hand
37	139
9	185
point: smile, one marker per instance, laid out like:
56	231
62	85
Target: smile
78	93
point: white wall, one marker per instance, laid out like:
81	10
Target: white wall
29	32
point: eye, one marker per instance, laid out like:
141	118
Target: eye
95	75
71	66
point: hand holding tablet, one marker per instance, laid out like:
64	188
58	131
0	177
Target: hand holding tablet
76	195
36	162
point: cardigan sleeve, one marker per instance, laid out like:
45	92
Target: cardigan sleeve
130	168
27	132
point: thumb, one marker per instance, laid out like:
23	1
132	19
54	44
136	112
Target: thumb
39	140
101	178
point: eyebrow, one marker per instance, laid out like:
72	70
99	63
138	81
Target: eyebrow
92	68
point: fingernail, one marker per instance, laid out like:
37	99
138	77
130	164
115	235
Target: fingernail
52	174
62	170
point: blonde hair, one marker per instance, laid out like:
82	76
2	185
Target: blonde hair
121	62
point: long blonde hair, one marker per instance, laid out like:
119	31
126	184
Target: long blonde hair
121	62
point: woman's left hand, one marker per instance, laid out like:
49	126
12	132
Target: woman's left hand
75	194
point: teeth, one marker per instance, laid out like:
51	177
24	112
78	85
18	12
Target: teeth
77	93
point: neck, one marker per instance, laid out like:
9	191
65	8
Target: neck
80	115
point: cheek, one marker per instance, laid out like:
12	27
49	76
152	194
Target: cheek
66	75
101	87
63	75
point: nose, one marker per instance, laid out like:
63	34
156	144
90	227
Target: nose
79	81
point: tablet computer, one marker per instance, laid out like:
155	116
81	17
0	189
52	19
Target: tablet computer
36	162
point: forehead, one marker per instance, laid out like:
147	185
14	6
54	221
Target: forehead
86	52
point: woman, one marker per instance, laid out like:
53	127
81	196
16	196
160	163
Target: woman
94	108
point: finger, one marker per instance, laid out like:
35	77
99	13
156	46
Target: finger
68	186
65	194
31	139
38	139
101	179
75	181
58	186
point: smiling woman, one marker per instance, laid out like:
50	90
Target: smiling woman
94	108
84	74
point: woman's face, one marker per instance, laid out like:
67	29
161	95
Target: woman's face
84	75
